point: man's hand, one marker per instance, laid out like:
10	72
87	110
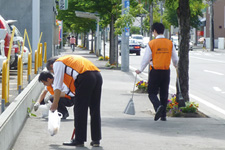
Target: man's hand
54	106
36	106
138	71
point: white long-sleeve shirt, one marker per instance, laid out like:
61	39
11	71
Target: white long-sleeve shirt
148	56
65	89
59	70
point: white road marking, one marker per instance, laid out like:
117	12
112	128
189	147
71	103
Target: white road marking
208	59
217	89
221	74
216	108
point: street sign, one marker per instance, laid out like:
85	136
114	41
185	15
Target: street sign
127	31
63	4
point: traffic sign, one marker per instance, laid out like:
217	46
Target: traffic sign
63	4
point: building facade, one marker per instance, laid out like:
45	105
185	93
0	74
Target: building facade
21	10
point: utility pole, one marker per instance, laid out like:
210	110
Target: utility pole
35	25
125	39
211	26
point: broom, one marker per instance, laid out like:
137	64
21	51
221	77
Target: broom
130	106
181	102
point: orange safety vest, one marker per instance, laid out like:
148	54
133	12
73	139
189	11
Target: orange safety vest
51	91
77	63
161	53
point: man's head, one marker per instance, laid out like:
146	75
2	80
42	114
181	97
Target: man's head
158	28
50	63
72	36
46	78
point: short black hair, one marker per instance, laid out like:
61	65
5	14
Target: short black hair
44	75
159	27
50	62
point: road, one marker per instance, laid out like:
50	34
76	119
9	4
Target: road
206	76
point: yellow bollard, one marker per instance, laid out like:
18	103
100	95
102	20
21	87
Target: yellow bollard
40	55
45	53
5	81
36	62
19	74
29	67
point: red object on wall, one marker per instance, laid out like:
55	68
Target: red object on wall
200	33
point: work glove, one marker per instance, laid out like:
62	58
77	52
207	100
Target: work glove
36	106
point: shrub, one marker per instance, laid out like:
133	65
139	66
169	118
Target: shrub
174	111
142	85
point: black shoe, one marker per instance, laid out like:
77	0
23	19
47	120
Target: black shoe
163	118
74	143
65	115
158	113
95	143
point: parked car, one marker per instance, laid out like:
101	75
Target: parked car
25	55
2	51
174	39
139	39
4	25
17	40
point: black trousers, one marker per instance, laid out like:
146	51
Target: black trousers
63	102
88	94
159	83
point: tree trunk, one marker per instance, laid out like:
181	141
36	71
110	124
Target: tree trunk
183	13
112	42
211	26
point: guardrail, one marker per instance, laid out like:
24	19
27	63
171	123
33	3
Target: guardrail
37	64
5	75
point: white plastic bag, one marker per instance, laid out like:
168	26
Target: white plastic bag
45	109
54	119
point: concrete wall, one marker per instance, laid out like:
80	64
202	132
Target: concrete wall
21	10
48	18
14	117
219	19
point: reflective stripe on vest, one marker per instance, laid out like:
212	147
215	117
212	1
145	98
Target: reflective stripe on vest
161	53
51	91
77	63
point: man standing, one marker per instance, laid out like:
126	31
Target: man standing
83	78
159	53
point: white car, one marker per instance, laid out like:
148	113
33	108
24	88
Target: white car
174	39
2	50
25	55
2	54
139	38
146	41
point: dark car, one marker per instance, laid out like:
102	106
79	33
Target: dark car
134	47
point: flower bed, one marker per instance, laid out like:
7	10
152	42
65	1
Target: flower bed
142	87
190	109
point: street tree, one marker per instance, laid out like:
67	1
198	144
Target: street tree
74	24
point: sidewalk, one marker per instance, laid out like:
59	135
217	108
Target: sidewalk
125	132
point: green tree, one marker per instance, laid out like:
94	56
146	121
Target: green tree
135	30
196	7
